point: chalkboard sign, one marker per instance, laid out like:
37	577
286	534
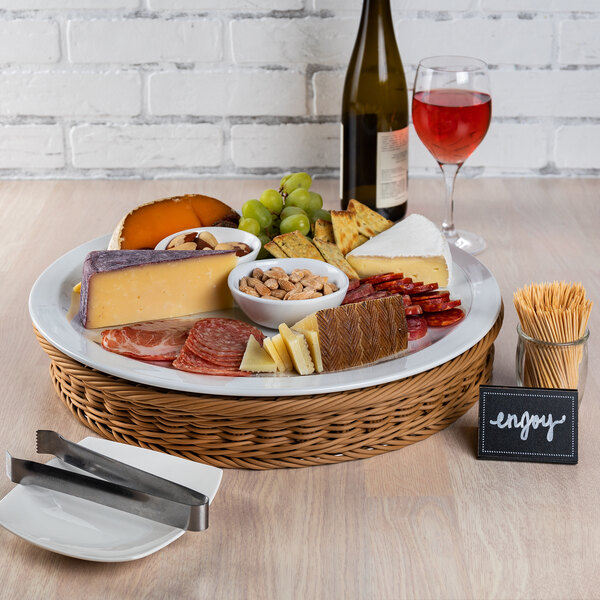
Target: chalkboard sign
527	424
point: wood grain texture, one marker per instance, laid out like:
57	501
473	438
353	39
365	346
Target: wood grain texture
427	521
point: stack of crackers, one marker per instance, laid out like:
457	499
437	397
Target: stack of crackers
332	241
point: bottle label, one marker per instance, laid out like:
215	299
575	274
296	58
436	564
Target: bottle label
392	168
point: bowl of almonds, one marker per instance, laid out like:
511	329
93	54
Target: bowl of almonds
285	290
246	245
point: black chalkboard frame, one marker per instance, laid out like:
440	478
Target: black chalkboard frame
505	443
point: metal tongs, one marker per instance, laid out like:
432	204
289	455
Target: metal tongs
115	484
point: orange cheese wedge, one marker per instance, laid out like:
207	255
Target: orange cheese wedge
149	223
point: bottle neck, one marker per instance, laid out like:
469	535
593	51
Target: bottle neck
376	19
374	11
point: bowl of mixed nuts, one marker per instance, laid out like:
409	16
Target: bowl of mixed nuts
246	245
285	290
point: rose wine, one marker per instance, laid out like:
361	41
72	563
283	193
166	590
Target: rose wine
374	127
451	122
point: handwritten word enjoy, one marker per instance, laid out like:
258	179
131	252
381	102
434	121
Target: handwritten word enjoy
528	421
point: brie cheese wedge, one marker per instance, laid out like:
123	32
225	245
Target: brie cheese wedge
414	247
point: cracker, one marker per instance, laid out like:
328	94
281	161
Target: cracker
275	250
296	245
323	230
331	253
345	230
370	223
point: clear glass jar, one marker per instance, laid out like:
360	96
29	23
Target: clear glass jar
552	364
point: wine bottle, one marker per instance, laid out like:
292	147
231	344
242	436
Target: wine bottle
374	128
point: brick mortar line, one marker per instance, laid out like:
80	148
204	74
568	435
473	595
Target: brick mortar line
412	14
108	68
274	172
232	120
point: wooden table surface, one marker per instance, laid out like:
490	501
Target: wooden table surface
427	521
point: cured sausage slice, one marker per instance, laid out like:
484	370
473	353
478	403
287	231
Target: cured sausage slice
154	340
444	318
417	328
359	293
374	279
439	294
438	305
188	361
216	346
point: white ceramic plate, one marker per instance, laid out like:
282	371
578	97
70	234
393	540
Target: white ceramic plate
83	529
50	310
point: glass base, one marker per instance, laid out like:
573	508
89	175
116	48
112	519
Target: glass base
469	242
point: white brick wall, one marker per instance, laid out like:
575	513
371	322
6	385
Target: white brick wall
196	88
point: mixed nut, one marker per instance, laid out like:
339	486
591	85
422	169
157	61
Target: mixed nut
206	241
276	284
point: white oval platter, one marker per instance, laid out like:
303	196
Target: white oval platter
50	309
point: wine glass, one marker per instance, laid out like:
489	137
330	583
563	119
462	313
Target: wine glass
451	111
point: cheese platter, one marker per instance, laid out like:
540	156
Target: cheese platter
53	316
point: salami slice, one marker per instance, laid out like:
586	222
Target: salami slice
373	279
188	361
417	328
441	294
412	310
444	318
420	289
354	283
394	283
216	346
435	306
154	340
366	289
224	335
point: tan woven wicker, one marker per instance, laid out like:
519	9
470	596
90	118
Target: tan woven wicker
269	433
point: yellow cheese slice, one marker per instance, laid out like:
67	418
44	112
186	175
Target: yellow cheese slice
256	359
124	286
269	346
283	352
298	350
312	339
309	323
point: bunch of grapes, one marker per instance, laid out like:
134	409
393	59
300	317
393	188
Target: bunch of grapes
293	207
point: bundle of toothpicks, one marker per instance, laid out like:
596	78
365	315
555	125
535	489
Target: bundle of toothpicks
556	313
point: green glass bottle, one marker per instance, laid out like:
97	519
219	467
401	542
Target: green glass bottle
374	128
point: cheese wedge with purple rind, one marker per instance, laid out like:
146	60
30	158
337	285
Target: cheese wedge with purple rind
129	286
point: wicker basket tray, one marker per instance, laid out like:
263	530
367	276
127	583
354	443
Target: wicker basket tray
269	433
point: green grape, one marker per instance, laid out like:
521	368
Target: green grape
295	222
264	239
299	197
253	209
315	202
291	210
295	181
272	200
284	179
249	225
319	214
273	229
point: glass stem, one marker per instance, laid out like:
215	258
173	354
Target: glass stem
449	171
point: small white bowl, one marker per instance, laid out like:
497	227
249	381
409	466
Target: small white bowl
222	235
271	313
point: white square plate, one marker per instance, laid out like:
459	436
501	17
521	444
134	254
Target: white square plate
83	529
